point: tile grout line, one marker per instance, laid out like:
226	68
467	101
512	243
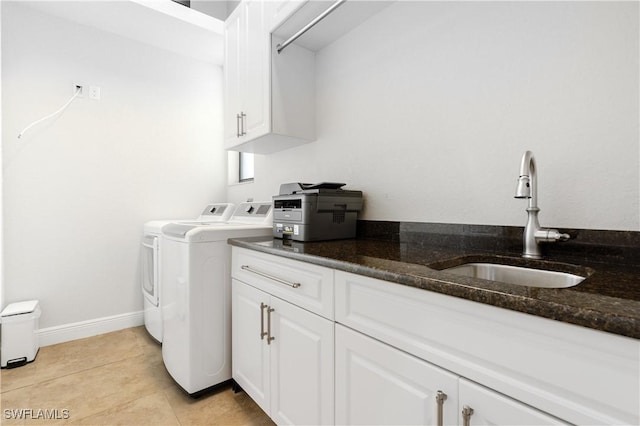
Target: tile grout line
164	394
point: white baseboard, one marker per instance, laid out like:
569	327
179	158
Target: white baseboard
79	330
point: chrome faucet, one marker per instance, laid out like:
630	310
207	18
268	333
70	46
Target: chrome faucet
533	232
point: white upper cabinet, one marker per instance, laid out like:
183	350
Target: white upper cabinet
232	73
269	95
269	98
246	74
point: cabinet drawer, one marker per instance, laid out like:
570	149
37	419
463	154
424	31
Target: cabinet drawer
305	285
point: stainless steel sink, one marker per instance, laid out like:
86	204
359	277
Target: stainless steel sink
516	275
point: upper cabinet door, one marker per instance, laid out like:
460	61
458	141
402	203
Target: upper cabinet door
257	119
247	75
256	80
232	74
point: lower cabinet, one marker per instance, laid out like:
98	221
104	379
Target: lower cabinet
283	357
314	346
377	384
547	369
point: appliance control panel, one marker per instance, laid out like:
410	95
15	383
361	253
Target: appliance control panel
217	212
259	212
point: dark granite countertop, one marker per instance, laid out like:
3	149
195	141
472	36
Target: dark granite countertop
607	300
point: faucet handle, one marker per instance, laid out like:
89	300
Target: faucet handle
551	235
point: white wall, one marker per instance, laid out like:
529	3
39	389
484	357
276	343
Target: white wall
1	183
429	106
78	189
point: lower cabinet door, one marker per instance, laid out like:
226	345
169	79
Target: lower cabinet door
377	384
251	357
301	366
483	406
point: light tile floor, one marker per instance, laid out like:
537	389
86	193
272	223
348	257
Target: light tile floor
113	379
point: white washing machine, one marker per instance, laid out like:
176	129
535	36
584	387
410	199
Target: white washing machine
196	295
150	257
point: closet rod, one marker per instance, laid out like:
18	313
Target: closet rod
280	47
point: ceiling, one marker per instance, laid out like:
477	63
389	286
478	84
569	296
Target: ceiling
160	23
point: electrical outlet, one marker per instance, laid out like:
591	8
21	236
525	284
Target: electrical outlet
80	86
94	92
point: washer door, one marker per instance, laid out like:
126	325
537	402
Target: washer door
150	268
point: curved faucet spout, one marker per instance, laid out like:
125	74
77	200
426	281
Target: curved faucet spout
528	180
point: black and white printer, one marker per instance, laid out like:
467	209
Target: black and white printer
315	212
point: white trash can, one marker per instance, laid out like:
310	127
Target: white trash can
19	339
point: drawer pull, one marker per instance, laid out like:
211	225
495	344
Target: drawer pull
467	412
271	277
441	397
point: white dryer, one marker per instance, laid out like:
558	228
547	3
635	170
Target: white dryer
196	295
150	258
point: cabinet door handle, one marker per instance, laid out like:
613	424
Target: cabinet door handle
262	332
441	397
238	125
271	277
243	119
269	336
467	412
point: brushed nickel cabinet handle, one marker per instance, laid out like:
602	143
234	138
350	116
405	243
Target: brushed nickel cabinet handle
271	277
441	397
243	119
269	336
238	125
262	332
467	412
